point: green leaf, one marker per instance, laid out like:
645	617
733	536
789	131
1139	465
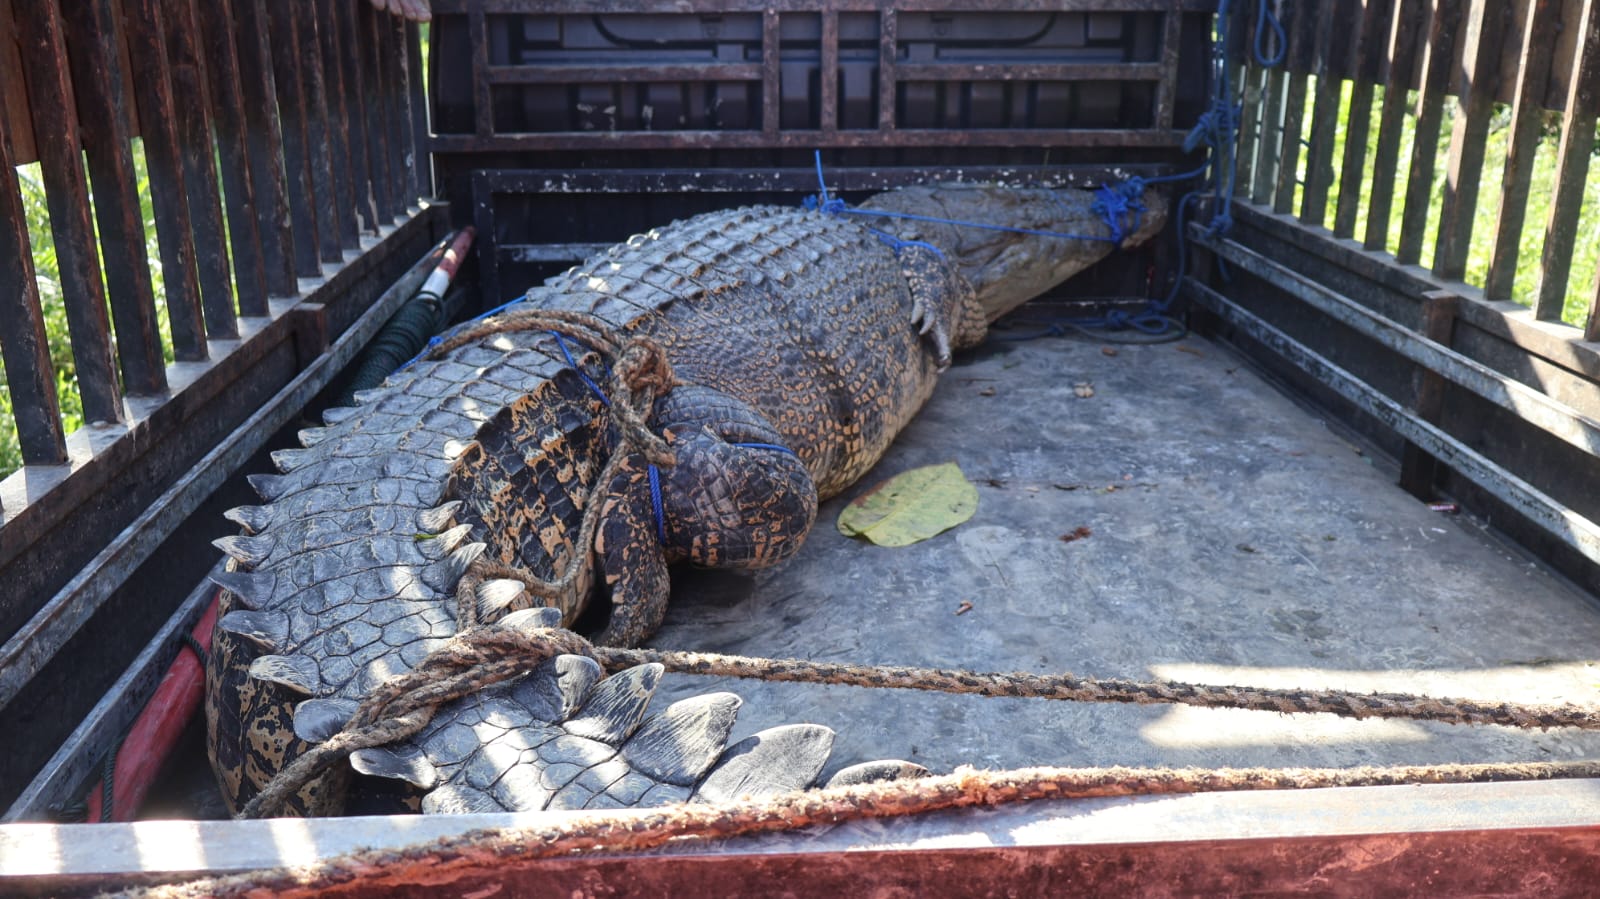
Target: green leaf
911	506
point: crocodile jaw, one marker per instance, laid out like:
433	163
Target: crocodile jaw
1006	269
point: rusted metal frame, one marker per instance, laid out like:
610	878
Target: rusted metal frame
888	79
338	122
321	158
190	89
169	195
1419	472
422	169
771	73
1030	71
400	118
500	7
1538	507
68	773
27	651
1405	62
1367	59
375	132
249	266
1302	39
264	141
354	82
1324	121
1113	138
1527	117
624	72
106	125
397	128
1533	406
1436	77
56	136
798	180
24	346
1481	69
828	72
292	105
1572	169
1167	74
1457	839
482	90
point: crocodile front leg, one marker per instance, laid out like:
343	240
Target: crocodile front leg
737	498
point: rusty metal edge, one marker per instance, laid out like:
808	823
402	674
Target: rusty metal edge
37	641
1284	832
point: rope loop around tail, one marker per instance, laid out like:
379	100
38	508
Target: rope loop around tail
403	705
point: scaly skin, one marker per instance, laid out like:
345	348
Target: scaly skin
786	327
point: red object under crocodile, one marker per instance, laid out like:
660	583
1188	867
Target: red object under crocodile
157	729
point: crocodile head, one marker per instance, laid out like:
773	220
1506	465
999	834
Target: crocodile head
1007	268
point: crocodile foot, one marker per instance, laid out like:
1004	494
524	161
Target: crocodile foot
565	736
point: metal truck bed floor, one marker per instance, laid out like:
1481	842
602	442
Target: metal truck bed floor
1234	539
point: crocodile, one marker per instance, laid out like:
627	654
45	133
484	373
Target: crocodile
799	342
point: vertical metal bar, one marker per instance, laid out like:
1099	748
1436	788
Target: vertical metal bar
400	111
249	267
422	169
44	53
24	345
1591	327
200	168
378	157
1324	123
1405	62
488	252
1248	128
771	73
169	197
1270	144
1365	69
285	47
103	115
1419	471
1250	79
482	94
264	144
348	42
1167	87
344	196
319	139
888	80
829	72
1572	168
1425	136
1302	38
1527	115
1481	64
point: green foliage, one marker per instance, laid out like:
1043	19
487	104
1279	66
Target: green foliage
47	275
1581	282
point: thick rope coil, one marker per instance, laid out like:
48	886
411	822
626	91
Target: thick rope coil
441	861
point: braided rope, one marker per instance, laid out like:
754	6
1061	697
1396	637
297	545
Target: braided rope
638	830
403	705
1089	689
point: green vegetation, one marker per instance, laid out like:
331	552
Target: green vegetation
1580	289
47	274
